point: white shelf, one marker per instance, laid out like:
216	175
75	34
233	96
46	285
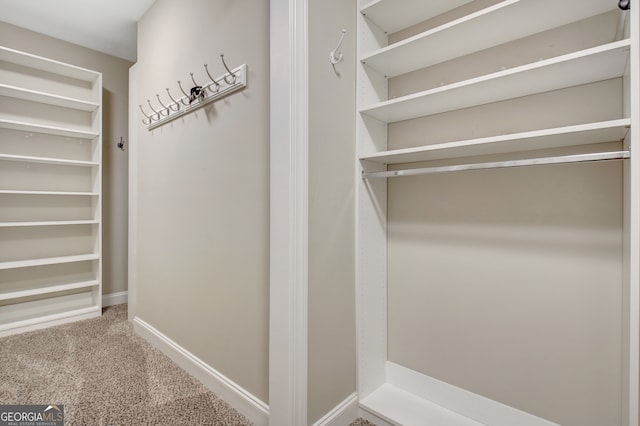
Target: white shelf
47	289
392	16
45	160
50	315
19	192
492	26
48	261
46	98
49	130
48	65
401	407
47	223
583	134
586	66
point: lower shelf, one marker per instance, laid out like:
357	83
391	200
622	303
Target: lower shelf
398	406
46	312
410	398
35	290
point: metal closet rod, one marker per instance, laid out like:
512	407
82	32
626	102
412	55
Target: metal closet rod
577	158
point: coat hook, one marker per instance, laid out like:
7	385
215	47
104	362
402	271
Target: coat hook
624	4
175	103
197	92
228	70
166	109
213	81
193	79
335	56
185	94
154	110
148	119
121	144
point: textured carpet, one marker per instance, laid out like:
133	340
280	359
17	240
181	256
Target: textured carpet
105	374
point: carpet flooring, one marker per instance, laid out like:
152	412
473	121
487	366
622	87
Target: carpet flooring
105	374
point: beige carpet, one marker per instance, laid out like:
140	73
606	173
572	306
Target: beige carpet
104	374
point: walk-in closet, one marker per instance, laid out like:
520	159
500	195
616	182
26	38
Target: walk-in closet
497	224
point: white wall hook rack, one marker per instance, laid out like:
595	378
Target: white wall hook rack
197	97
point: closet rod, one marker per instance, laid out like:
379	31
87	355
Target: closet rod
577	158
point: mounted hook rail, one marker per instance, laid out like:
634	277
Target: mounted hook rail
197	96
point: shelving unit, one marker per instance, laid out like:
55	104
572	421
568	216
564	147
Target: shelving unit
539	78
50	192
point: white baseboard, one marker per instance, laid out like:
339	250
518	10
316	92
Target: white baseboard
343	414
248	405
115	298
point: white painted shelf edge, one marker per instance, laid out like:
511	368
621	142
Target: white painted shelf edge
392	16
46	160
48	261
586	66
46	98
48	289
45	64
494	25
582	134
49	130
48	223
72	193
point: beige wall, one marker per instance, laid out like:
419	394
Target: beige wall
115	74
203	188
331	208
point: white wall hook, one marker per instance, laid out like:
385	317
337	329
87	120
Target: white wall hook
336	56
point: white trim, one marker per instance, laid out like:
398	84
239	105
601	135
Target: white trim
133	191
247	404
633	368
463	402
342	414
289	214
115	298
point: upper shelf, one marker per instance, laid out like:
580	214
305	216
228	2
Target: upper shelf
393	16
46	98
583	134
503	22
586	66
48	65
